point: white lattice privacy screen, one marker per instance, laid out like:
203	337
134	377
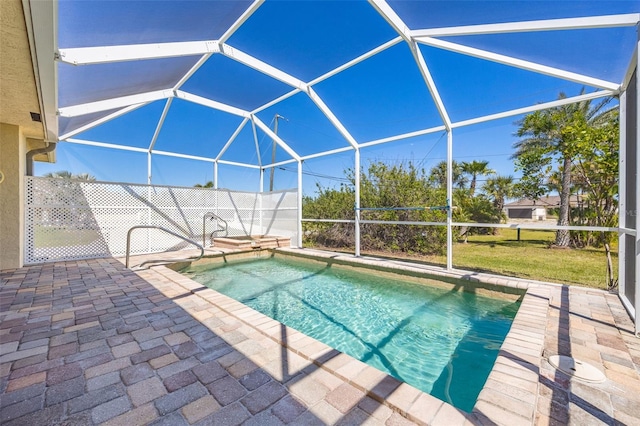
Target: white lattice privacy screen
69	219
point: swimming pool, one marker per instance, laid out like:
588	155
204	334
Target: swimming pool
434	337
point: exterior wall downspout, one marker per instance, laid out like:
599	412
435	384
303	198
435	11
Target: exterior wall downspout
29	166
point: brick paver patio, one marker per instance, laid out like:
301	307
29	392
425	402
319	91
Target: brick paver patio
90	342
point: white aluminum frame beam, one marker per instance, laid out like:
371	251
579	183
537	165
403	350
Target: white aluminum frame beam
475	225
235	163
357	60
280	163
326	153
232	138
630	69
275	137
135	52
106	145
114	103
330	220
211	103
241	20
519	63
163	116
401	28
257	144
100	121
449	199
331	117
392	18
192	71
263	67
149	168
299	206
331	73
533	108
147	151
536	227
431	85
356	176
605	21
276	101
403	136
186	156
402	222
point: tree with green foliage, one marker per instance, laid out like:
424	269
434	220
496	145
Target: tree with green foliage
64	174
555	136
474	169
498	189
438	175
385	187
595	171
209	184
478	209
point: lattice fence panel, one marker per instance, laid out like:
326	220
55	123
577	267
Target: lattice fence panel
280	214
69	219
239	210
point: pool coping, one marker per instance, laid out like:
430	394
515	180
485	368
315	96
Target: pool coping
508	396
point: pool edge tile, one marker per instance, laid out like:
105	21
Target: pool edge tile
535	300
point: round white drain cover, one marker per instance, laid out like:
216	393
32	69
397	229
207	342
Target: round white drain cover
576	368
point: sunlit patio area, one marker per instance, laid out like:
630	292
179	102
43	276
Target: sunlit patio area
91	342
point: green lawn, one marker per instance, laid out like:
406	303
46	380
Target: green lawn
532	258
529	258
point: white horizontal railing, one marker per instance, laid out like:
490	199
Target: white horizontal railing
486	225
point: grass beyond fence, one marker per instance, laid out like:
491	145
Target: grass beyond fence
530	258
60	236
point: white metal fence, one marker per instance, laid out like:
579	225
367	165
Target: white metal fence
70	219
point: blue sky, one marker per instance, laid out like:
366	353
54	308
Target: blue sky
381	97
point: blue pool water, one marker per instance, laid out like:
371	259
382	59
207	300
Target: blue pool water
439	340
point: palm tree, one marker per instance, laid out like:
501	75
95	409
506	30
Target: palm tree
438	175
475	169
209	184
64	174
498	189
546	135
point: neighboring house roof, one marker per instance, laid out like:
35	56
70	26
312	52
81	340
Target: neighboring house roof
549	201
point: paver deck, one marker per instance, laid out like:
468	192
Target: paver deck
90	342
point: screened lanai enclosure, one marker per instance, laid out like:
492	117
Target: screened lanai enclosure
259	97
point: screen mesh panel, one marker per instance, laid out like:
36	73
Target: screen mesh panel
631	215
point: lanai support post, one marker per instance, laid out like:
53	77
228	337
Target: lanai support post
356	210
449	199
299	212
215	175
